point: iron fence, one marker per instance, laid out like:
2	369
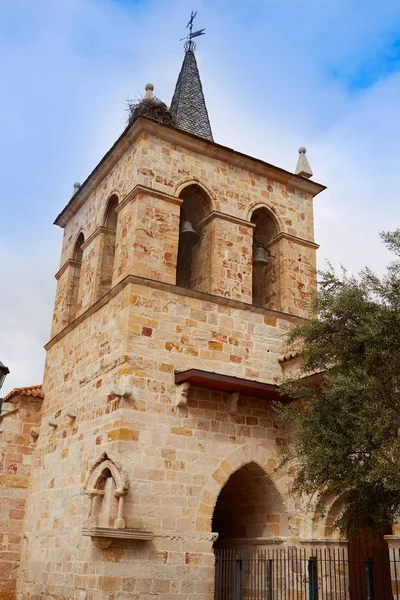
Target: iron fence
304	574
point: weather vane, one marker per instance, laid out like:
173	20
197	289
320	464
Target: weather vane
190	45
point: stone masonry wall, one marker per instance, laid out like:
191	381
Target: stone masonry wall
148	226
16	447
177	460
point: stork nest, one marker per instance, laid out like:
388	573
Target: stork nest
153	109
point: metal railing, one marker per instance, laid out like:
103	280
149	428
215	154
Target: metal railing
306	574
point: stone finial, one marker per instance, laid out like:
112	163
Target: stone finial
77	185
303	166
149	91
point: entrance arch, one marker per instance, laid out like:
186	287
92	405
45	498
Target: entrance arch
249	509
367	552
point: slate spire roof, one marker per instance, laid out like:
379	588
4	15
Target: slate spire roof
188	105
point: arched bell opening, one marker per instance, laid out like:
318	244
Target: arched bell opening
194	249
265	290
108	245
76	277
249	510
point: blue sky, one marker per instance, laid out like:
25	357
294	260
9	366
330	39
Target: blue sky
277	74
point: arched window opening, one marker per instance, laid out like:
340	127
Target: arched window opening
265	263
76	277
194	249
248	509
107	486
105	503
108	251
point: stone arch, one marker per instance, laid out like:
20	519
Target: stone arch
180	187
256	205
249	507
114	195
325	509
106	486
107	245
74	301
266	273
96	473
193	269
81	234
235	461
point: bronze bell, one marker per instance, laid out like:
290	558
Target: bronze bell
188	235
260	258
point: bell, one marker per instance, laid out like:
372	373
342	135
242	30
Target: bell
260	258
188	235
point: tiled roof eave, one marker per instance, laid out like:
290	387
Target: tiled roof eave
34	391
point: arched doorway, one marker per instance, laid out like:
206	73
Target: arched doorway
249	510
249	518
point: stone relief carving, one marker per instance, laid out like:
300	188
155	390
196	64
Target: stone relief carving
94	487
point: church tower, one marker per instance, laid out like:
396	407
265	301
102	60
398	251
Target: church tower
183	265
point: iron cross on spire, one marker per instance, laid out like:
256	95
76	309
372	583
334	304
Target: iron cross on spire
190	45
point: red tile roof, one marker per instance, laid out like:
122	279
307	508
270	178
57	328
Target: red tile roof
32	390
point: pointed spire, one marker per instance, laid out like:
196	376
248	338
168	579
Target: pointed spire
188	105
303	166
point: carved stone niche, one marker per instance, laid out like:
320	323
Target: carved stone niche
107	486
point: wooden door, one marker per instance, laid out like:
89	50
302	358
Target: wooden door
369	568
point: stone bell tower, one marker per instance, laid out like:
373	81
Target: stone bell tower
183	264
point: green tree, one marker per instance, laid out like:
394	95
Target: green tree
346	429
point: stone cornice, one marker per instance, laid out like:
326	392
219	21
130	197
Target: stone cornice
94	235
393	541
324	541
142	189
172	289
186	140
69	262
215	214
294	239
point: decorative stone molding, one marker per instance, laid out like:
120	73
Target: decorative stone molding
93	236
220	215
233	462
142	189
393	541
256	541
70	262
103	537
96	473
292	238
123	391
324	542
168	288
92	488
182	392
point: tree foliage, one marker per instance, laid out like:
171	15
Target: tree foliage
346	429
